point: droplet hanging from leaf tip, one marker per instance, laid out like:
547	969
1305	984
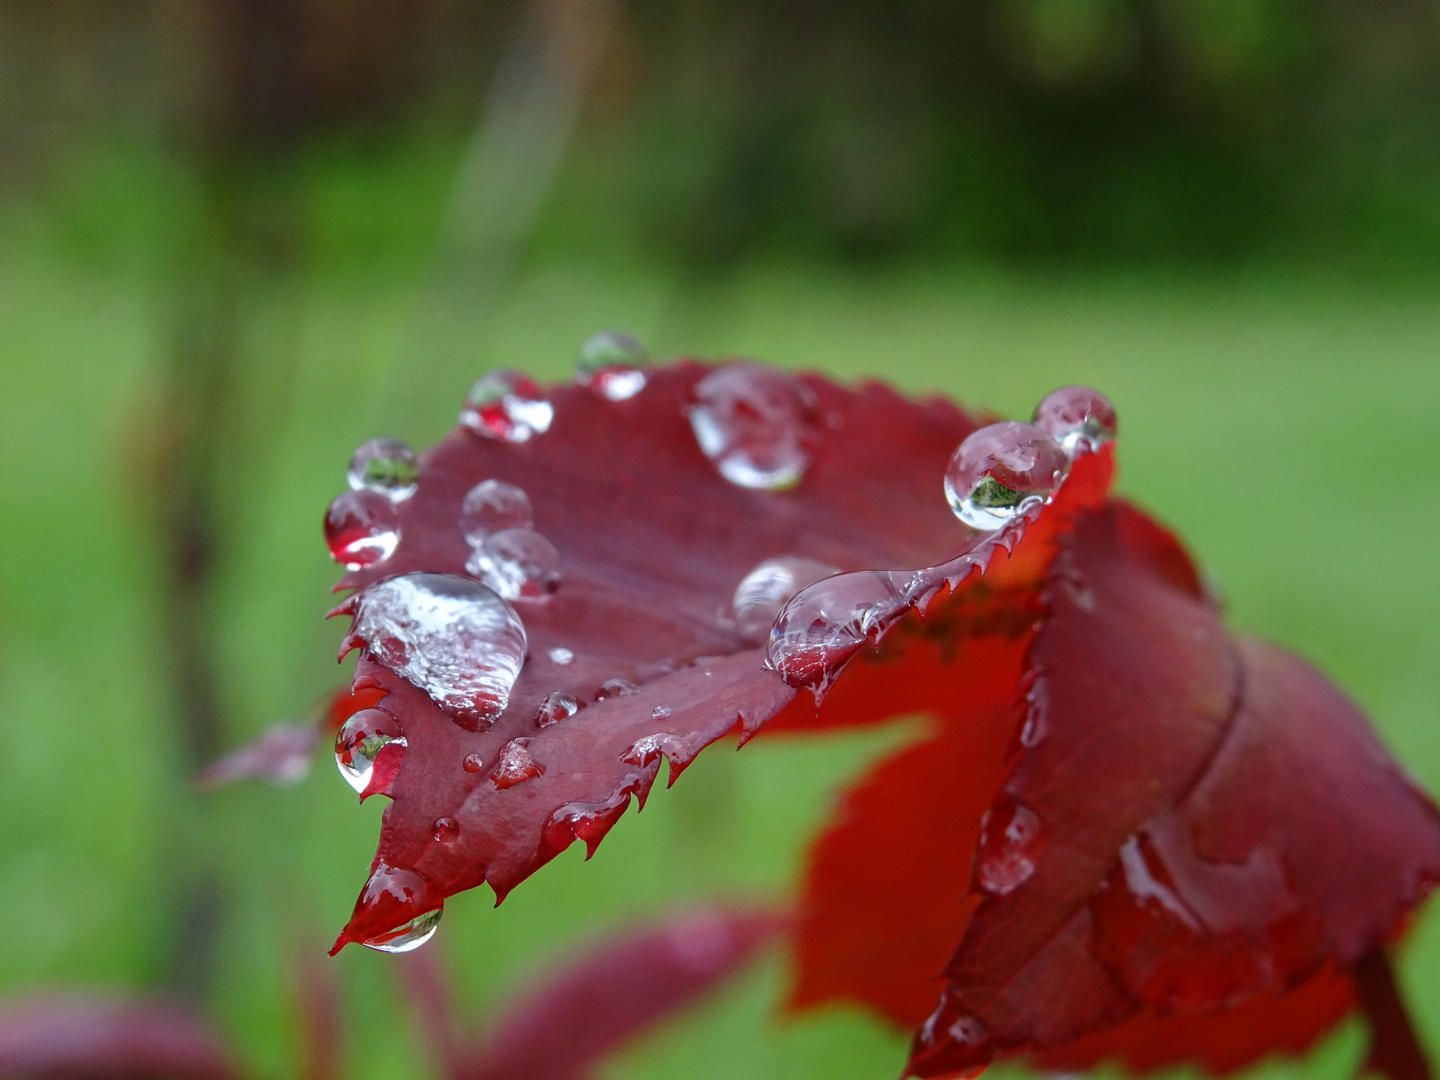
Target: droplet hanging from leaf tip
1001	471
409	936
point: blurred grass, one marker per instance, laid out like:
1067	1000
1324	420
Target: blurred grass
1283	421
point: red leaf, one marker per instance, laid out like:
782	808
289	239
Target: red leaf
1189	825
80	1037
652	541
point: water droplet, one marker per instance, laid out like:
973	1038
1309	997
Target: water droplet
1037	714
445	830
388	466
1081	420
473	763
359	741
515	765
1002	471
950	1021
613	364
519	564
617	688
557	706
1010	844
822	626
507	405
490	506
410	936
752	422
562	656
450	636
660	712
763	592
361	529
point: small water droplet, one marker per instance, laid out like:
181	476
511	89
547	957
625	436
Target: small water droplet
617	688
410	936
1080	419
519	564
950	1021
1037	714
763	592
660	712
752	422
557	706
445	830
562	656
612	363
387	466
473	763
360	740
450	636
361	529
507	405
821	627
515	765
490	506
1002	471
1010	843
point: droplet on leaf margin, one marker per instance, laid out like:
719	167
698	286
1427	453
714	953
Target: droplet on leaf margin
408	937
361	529
507	405
384	465
450	636
752	421
612	363
1010	845
763	591
824	625
493	505
515	765
359	742
557	706
519	564
1001	471
562	656
1080	419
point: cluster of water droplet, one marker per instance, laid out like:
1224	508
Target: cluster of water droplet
506	553
753	422
612	363
507	405
1007	469
452	637
362	525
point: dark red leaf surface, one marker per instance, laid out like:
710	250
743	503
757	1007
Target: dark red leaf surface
1187	850
653	542
92	1037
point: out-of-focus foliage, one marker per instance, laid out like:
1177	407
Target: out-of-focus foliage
1021	129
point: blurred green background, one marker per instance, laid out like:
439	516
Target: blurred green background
238	237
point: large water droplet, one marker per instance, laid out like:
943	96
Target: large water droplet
556	706
763	592
515	765
452	637
490	506
1080	419
612	363
507	405
388	466
410	936
519	564
822	626
752	422
360	740
1010	844
361	529
1001	471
